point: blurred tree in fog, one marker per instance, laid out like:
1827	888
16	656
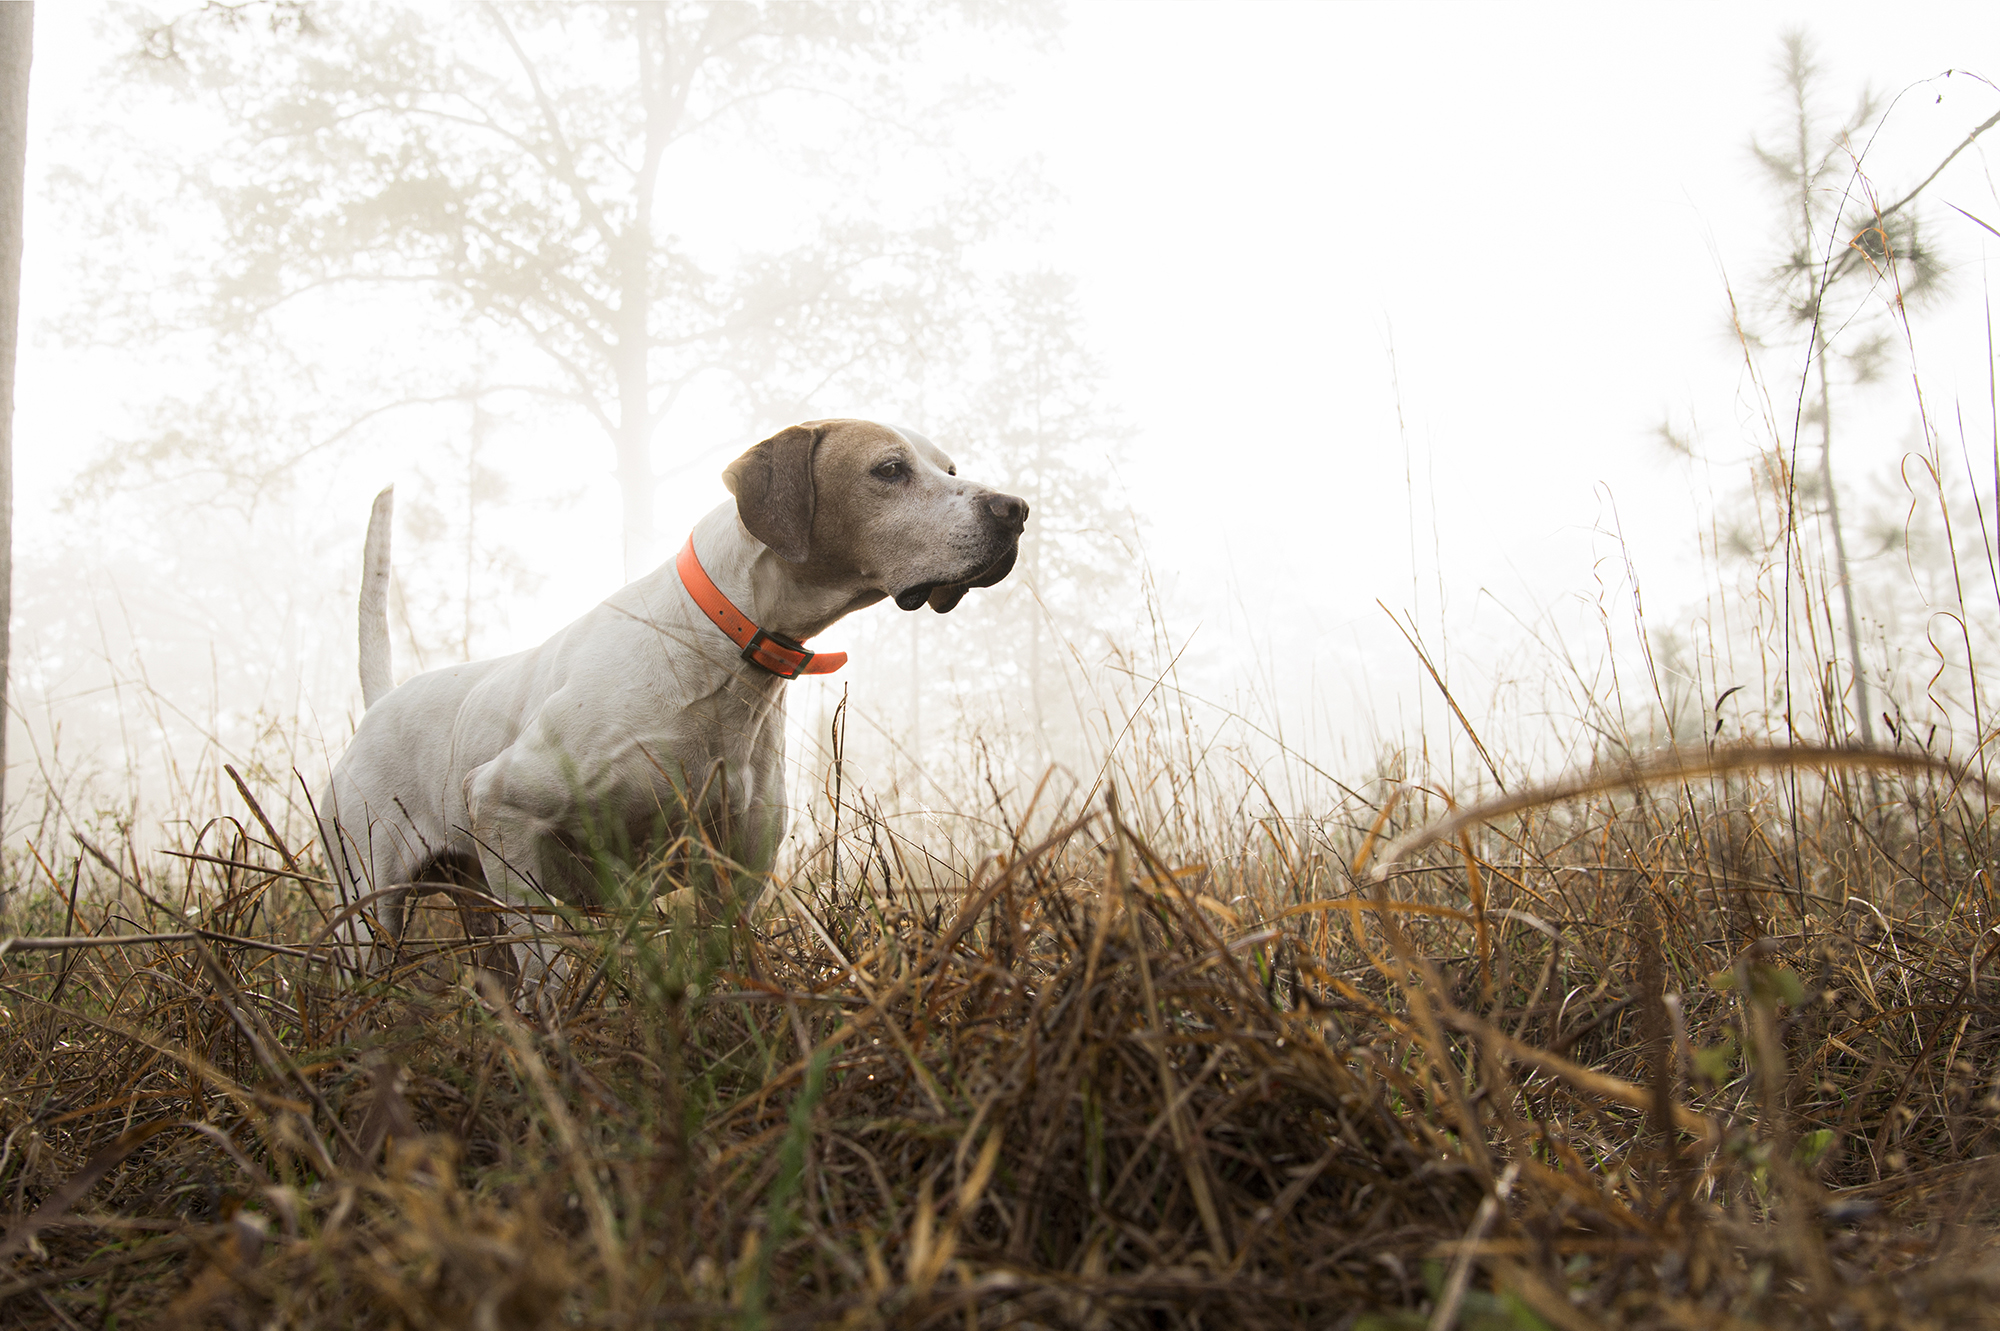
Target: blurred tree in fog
476	565
1042	405
524	166
377	222
1036	425
1852	265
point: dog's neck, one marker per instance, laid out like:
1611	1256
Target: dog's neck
762	585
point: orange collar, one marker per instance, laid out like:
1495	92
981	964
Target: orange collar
782	656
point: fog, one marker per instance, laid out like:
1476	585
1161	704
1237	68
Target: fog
1304	320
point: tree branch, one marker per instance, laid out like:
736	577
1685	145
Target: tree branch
1852	255
566	168
1983	126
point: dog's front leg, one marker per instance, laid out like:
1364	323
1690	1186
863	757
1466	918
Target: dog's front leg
516	805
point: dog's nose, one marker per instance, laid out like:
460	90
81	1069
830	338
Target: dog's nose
1010	509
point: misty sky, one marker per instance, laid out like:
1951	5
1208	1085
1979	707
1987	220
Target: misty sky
1537	206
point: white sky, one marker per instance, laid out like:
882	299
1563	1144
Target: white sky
1538	203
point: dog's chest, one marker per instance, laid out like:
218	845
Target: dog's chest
737	730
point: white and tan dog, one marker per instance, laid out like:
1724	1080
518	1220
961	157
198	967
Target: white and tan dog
644	726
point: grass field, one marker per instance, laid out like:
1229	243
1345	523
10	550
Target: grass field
1686	1035
1705	1042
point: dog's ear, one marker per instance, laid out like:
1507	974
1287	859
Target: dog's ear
773	485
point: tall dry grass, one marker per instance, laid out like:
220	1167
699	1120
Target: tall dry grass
1709	1042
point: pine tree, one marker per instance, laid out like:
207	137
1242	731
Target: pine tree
1847	262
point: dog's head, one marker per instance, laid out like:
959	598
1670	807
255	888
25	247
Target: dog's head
853	501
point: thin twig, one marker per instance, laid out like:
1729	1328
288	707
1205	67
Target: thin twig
34	943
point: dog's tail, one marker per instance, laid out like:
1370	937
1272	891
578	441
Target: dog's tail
376	679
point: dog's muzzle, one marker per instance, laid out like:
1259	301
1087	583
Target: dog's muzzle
1009	517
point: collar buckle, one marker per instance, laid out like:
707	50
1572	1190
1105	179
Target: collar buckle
787	658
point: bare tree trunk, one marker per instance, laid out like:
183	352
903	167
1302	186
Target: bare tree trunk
637	484
17	37
1861	701
1034	569
475	443
634	442
634	439
1827	404
1818	349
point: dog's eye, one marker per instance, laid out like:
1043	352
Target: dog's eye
891	470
